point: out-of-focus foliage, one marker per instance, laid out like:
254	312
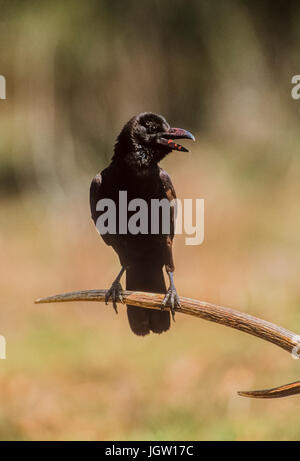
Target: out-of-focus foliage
76	71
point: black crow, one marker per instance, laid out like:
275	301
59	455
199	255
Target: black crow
143	142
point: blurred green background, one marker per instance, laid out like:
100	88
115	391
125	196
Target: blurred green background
76	72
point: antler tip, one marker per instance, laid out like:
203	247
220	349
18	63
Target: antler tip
43	300
245	393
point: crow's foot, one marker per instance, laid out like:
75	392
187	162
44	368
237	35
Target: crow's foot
171	299
115	293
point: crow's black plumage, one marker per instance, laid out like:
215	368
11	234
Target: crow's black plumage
143	142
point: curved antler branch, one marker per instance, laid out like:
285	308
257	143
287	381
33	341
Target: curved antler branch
287	340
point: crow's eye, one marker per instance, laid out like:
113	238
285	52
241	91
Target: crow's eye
151	127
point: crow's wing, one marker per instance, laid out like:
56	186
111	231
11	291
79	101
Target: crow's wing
97	192
171	195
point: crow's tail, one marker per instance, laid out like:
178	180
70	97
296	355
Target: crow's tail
145	278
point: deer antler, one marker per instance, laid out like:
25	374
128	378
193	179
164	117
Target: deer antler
268	331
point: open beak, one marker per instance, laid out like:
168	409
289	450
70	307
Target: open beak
168	138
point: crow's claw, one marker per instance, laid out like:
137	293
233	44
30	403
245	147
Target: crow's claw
115	293
171	299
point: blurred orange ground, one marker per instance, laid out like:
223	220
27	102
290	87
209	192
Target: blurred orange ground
75	371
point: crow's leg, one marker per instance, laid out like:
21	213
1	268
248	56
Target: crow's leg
171	298
115	291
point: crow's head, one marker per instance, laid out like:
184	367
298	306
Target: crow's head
147	138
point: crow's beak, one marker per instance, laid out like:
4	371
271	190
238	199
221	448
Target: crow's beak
167	138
